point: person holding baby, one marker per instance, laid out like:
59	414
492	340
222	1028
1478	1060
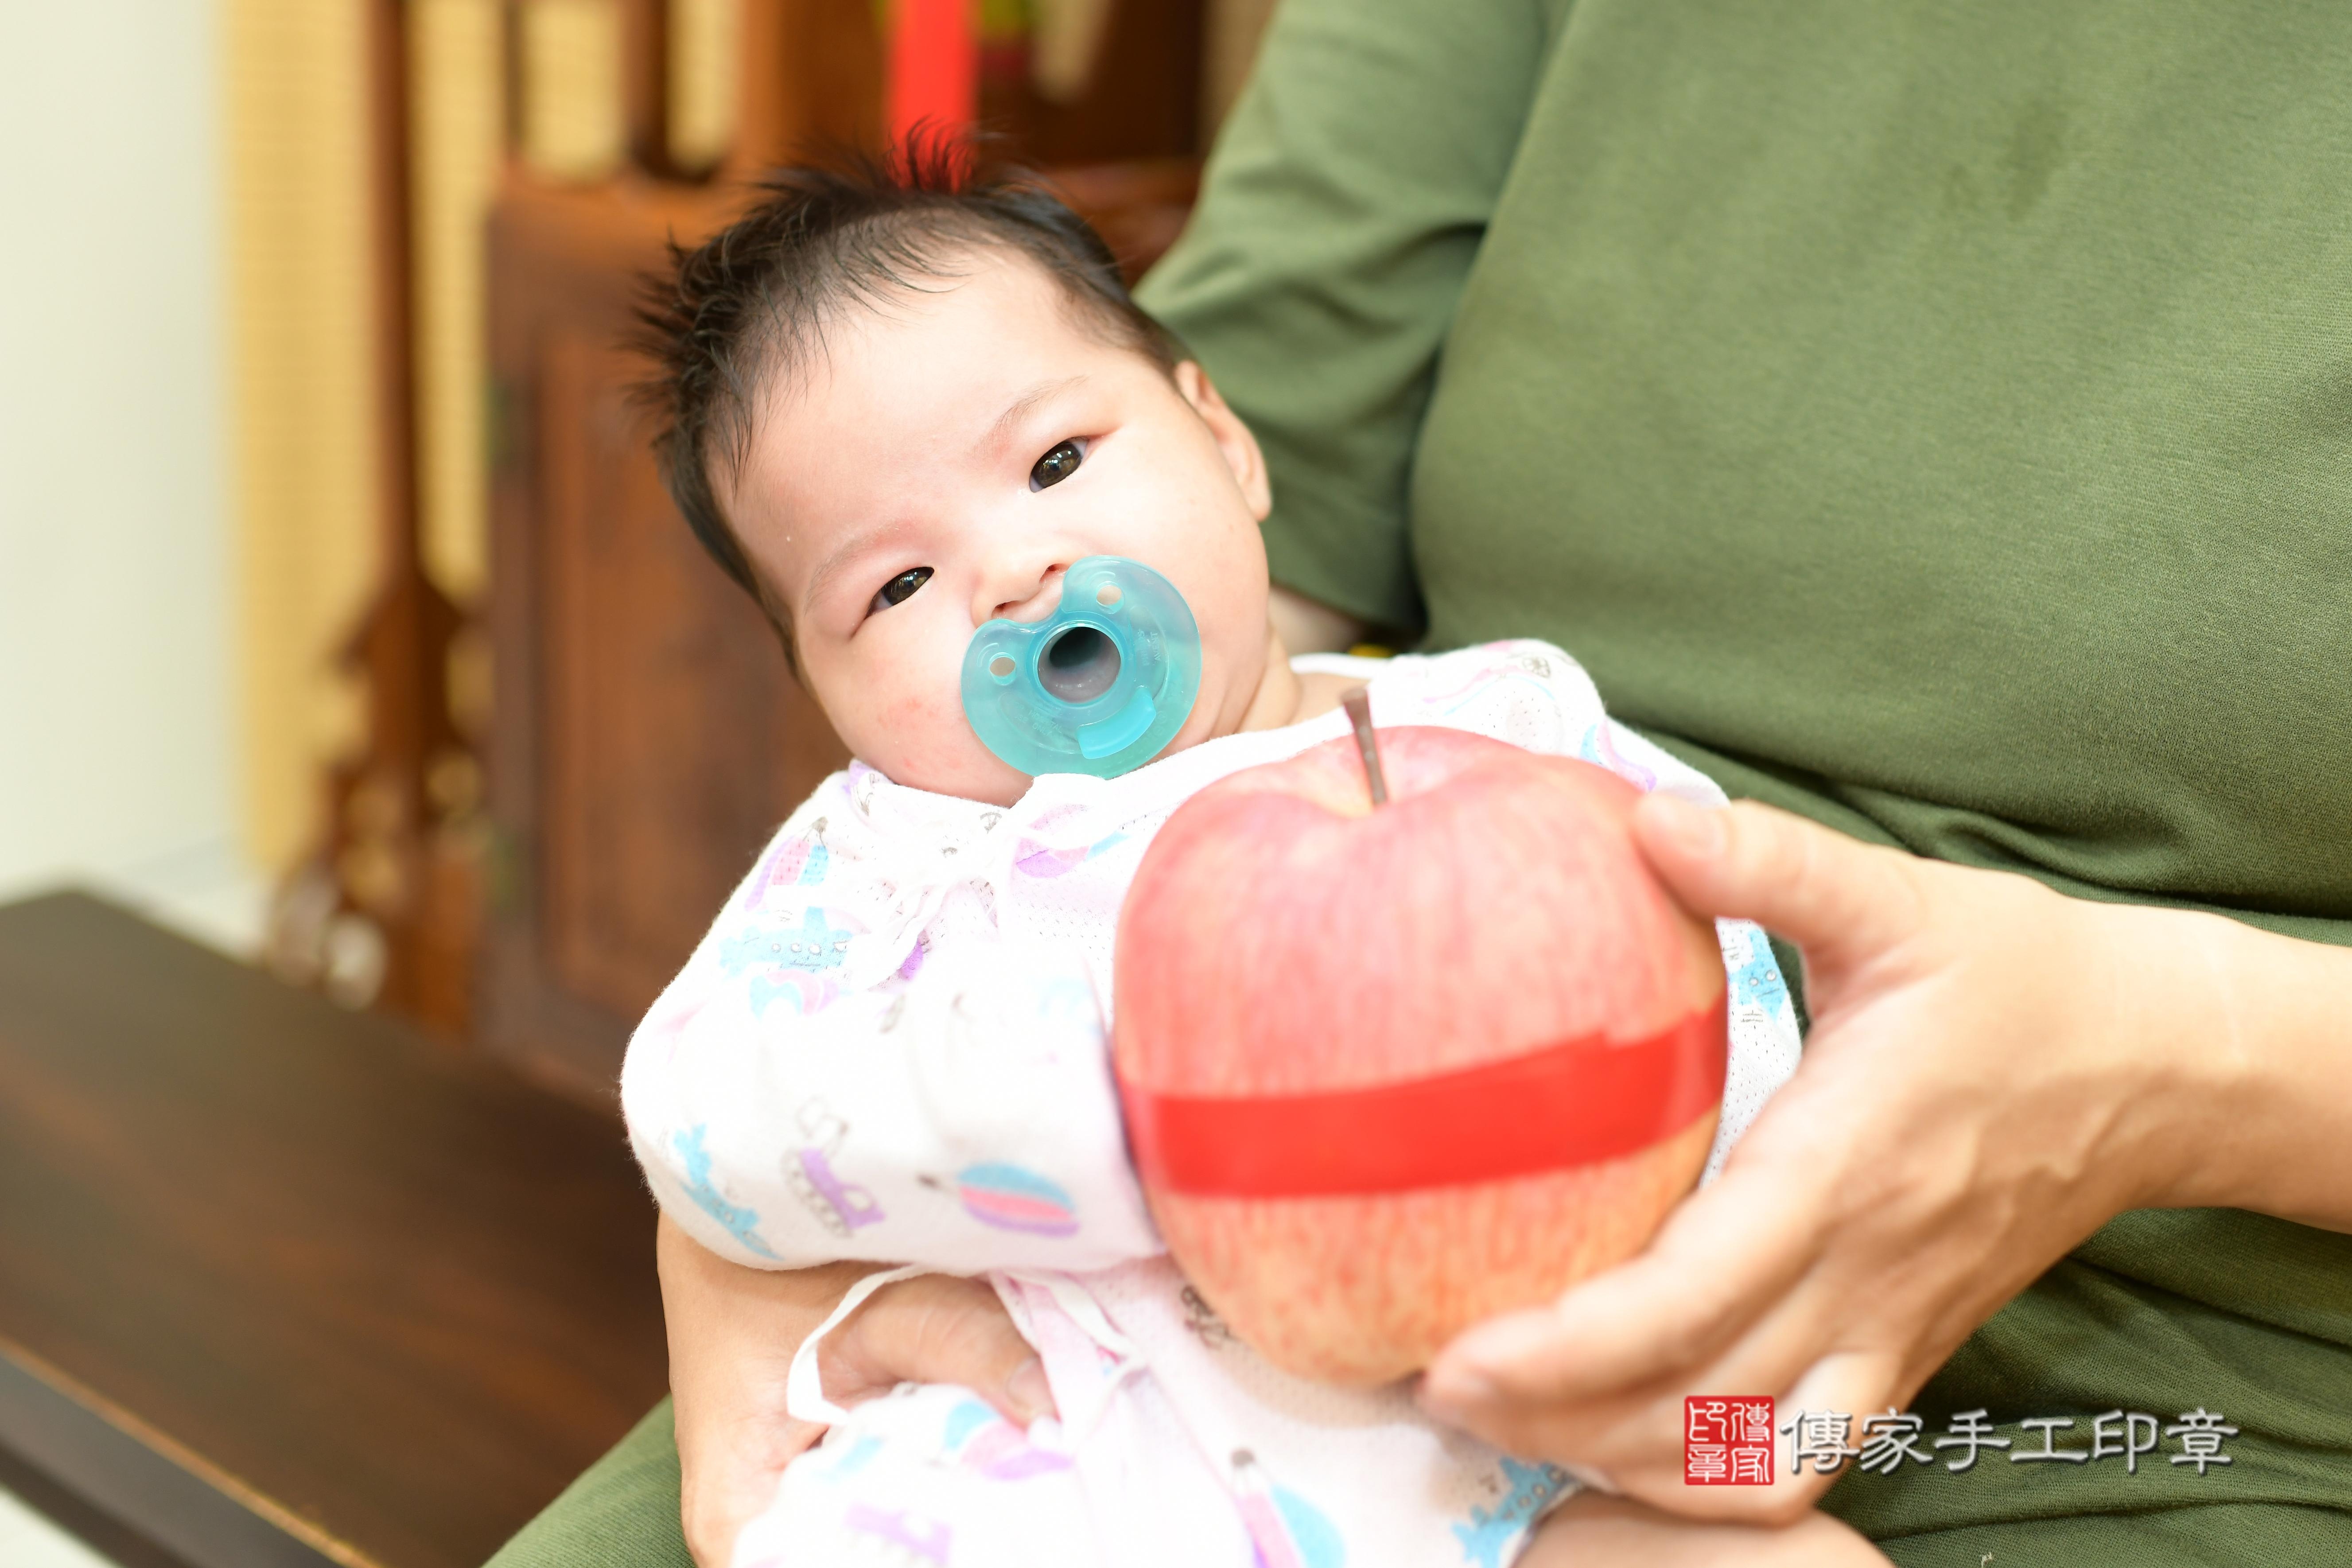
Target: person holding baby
1924	425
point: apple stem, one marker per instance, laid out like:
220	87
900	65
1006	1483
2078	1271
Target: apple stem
1358	704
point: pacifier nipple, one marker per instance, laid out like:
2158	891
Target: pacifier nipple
1098	687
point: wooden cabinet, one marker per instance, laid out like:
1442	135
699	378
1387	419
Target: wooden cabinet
649	737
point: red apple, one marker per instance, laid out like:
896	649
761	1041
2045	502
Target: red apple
1337	996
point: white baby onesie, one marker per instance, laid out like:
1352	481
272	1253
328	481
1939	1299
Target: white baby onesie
893	1046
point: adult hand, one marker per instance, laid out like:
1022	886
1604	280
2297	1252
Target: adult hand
1994	1072
733	1333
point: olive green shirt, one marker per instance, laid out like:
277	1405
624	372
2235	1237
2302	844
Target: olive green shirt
1934	419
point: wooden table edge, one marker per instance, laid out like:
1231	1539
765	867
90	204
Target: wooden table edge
126	1468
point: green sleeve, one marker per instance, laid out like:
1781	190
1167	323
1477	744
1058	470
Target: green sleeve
1341	213
622	1511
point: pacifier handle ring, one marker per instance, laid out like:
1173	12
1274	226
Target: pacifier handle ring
1104	720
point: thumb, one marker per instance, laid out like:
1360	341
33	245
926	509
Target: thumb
1835	898
936	1329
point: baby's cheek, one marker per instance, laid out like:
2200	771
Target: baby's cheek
927	744
912	725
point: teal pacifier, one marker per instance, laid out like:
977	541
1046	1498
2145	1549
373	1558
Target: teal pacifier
1097	686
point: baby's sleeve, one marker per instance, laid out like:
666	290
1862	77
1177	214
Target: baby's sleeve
848	1068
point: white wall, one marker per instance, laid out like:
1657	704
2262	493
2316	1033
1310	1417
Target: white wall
117	744
28	1540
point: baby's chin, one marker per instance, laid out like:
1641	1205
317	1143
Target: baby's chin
975	773
980	775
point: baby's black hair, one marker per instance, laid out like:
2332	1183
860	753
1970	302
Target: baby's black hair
750	302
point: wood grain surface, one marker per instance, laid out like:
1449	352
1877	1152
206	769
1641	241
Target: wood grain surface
648	738
385	1293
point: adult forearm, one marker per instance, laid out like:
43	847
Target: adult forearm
2256	1033
709	1300
732	1334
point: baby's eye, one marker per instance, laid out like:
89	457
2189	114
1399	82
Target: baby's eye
901	588
1056	465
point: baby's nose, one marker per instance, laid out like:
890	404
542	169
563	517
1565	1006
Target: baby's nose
1022	593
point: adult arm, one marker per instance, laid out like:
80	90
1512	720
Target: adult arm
733	1333
1339	216
1994	1072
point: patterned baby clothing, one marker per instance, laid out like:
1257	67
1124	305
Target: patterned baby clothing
893	1046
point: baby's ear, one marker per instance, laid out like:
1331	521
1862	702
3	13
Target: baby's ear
1234	439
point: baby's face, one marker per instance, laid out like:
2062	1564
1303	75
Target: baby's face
941	460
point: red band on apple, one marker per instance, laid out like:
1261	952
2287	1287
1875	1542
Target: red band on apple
1576	1103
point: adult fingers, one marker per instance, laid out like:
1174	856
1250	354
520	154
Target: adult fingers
1725	1258
938	1329
1632	1444
1825	1415
1836	898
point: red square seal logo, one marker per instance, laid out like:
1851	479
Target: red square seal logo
1727	1440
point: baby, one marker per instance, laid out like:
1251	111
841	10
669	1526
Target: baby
903	404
